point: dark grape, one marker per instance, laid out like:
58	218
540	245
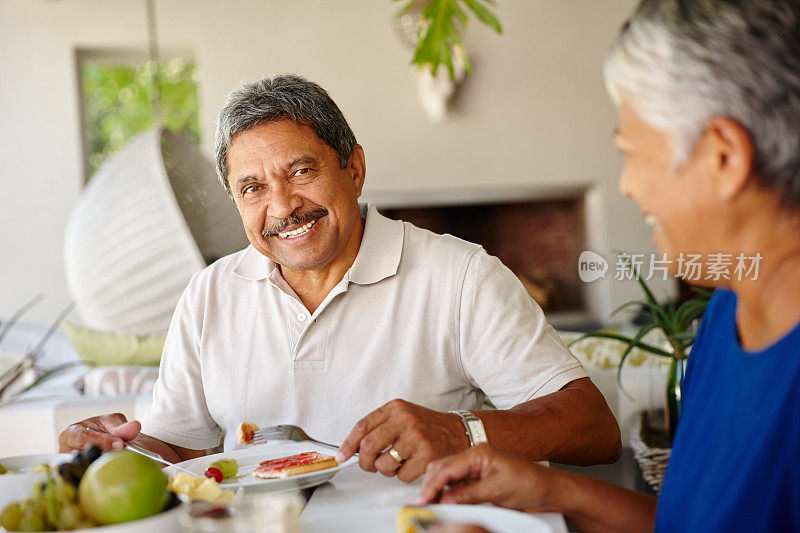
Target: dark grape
65	470
92	453
173	501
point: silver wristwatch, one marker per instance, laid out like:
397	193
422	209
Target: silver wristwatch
474	426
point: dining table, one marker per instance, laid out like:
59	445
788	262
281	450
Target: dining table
354	489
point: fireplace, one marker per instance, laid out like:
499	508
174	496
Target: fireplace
539	239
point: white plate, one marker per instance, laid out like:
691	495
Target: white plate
250	457
382	520
25	463
18	482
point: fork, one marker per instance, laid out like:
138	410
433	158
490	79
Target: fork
285	432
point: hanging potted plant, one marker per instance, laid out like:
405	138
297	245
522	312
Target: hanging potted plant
432	28
677	323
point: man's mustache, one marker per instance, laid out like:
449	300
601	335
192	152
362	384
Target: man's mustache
294	218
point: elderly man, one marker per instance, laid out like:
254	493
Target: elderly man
335	312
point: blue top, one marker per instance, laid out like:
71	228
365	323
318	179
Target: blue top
735	463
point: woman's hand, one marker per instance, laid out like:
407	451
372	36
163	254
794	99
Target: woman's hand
483	474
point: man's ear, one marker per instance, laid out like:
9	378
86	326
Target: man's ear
729	156
357	166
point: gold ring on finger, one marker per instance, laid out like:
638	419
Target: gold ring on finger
396	456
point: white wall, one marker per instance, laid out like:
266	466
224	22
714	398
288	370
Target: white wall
533	113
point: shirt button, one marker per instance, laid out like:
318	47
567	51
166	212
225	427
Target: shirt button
301	317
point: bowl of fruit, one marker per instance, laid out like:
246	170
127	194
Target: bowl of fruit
113	492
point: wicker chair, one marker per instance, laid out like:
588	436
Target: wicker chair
152	216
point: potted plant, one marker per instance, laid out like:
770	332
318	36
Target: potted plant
677	323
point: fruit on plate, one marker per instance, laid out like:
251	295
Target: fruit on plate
200	488
408	517
73	470
214	473
52	503
228	467
122	486
51	506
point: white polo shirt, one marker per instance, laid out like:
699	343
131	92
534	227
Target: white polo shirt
429	318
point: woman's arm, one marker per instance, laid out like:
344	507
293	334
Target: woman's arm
482	474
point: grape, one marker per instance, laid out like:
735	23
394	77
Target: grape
10	515
173	501
69	516
35	504
92	452
65	470
228	467
31	520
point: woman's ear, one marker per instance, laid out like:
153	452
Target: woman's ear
729	156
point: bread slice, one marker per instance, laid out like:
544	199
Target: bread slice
294	465
245	431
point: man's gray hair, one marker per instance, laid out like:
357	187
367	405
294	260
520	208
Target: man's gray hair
680	63
281	97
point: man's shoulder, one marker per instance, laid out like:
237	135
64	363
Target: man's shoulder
422	243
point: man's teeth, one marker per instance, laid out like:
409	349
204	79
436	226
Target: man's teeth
652	221
297	232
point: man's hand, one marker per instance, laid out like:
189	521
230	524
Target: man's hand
107	431
483	474
418	435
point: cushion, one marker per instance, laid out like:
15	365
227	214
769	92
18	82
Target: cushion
101	348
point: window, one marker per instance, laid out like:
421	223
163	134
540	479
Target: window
118	101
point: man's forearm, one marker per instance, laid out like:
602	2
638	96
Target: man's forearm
572	426
595	506
171	453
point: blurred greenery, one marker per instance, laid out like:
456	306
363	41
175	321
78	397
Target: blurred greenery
440	30
118	103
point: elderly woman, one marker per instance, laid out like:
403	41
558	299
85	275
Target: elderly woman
709	122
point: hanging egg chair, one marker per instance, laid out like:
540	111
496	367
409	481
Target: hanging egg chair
152	216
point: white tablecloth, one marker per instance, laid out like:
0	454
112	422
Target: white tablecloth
355	489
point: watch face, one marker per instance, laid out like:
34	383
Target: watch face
478	433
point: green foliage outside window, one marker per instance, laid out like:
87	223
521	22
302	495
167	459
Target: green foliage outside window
118	103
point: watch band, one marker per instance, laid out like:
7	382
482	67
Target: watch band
474	427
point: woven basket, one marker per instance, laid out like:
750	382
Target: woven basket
652	461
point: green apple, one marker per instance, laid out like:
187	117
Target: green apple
122	486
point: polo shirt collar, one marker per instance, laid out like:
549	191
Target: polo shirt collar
254	266
378	256
381	248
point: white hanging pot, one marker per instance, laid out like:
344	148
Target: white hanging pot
435	91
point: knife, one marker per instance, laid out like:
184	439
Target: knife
152	455
156	457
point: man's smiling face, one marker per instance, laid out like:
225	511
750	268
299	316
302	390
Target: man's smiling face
298	206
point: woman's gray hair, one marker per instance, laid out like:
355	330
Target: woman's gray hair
281	97
680	63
